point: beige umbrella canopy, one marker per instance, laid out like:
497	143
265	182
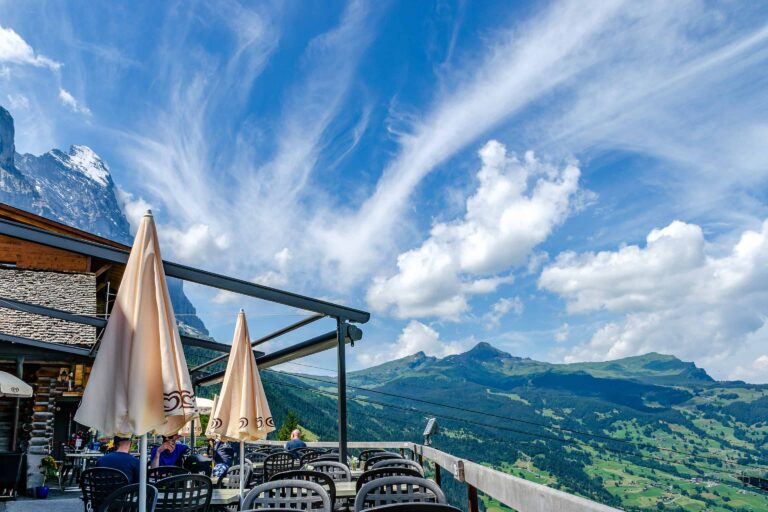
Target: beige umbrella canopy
140	382
241	412
12	386
209	429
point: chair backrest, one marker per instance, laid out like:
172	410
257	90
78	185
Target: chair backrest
366	454
309	457
126	499
98	483
184	493
399	463
322	479
233	476
373	474
257	456
288	494
336	470
160	472
279	462
398	489
415	507
373	459
328	456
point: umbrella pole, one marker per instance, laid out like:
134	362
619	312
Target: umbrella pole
143	473
242	469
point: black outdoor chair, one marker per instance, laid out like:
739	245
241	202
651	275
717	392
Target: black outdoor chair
398	489
126	499
415	507
279	462
378	457
366	454
373	474
231	478
98	483
399	463
336	470
160	472
70	469
288	494
322	479
309	457
329	456
257	467
184	493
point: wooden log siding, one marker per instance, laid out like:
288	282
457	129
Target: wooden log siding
517	493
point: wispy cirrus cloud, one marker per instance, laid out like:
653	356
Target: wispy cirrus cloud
15	50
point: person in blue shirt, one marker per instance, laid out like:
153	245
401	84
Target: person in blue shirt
169	453
122	459
295	443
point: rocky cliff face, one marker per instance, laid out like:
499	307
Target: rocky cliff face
74	188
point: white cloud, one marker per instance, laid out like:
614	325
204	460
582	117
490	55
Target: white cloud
675	295
516	206
18	101
196	243
416	337
562	333
500	309
134	209
69	101
14	50
279	277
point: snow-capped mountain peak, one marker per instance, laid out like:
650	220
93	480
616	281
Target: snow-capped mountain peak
84	160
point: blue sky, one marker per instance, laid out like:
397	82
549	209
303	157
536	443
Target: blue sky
566	180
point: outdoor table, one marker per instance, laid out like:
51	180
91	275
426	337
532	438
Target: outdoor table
225	497
345	489
356	473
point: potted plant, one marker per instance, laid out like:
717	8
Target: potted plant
49	469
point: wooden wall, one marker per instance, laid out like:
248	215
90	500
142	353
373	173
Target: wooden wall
29	255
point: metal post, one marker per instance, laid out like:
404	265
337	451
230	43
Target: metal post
472	495
17	407
143	473
342	390
437	474
421	460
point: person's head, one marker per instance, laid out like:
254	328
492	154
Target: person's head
171	439
122	443
296	434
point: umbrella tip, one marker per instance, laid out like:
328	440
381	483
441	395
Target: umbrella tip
242	311
148	213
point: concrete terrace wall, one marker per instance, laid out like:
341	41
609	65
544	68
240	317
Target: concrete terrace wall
69	291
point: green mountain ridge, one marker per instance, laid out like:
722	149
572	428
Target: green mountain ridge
641	432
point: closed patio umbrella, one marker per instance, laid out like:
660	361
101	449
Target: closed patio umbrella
139	382
209	428
241	412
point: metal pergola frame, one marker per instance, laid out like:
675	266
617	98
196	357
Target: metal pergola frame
344	333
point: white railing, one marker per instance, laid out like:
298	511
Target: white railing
517	493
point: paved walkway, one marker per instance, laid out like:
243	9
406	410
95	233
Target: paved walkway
60	505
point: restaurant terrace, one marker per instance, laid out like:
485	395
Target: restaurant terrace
55	289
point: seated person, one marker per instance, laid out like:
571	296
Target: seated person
169	453
122	459
295	443
225	455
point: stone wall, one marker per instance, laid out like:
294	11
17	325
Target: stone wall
68	291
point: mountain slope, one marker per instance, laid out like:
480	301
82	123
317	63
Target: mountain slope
632	433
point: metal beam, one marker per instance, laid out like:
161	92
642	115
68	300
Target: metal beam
184	272
45	345
271	336
317	344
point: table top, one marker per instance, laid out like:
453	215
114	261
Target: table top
89	455
345	489
225	496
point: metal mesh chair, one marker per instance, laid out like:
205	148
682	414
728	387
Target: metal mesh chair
328	456
378	457
184	493
398	489
160	472
231	479
98	483
373	474
126	499
309	457
257	467
288	494
336	470
322	479
415	507
279	462
399	463
366	454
